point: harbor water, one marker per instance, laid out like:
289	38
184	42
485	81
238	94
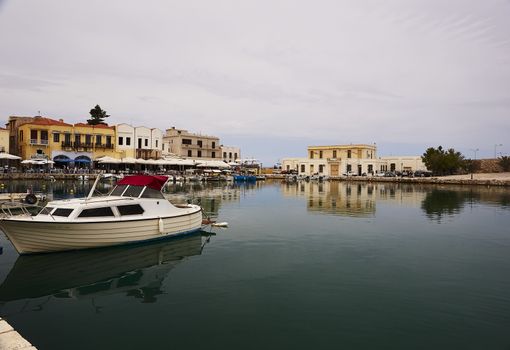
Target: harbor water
302	265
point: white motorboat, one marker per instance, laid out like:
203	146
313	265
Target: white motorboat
134	211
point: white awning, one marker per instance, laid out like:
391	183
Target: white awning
9	156
213	164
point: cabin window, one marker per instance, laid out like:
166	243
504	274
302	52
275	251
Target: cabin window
46	211
95	212
133	191
117	191
152	193
63	212
134	209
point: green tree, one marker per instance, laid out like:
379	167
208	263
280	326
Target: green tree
504	163
442	162
97	116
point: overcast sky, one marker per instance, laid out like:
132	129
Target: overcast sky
269	76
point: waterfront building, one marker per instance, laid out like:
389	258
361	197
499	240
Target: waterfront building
403	163
182	143
335	160
230	153
139	142
357	159
12	125
64	143
4	140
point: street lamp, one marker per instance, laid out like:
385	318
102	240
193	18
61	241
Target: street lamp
495	146
474	150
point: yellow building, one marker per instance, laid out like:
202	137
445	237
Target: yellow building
4	140
65	144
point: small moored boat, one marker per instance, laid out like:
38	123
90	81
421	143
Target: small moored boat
134	211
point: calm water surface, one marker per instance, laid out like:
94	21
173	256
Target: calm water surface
302	266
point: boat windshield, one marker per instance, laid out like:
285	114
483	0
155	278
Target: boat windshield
135	191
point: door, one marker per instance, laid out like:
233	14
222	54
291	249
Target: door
334	169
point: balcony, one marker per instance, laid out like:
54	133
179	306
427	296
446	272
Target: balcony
39	142
81	145
67	144
106	146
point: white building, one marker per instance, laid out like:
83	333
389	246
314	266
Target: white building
230	153
139	142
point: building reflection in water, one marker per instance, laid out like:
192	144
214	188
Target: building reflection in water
361	199
351	198
137	271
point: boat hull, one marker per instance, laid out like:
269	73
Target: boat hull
30	236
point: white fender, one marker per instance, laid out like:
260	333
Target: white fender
161	226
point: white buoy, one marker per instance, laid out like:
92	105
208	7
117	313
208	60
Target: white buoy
220	224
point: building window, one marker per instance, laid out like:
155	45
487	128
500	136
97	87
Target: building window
235	156
230	155
139	143
128	141
146	142
349	167
311	154
21	135
349	154
157	143
108	140
67	138
199	143
88	139
98	140
320	154
334	154
321	168
199	153
121	141
213	155
302	168
186	141
56	137
214	145
311	168
44	136
77	138
189	153
224	155
33	136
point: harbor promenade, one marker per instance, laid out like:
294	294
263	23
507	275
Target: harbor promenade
12	340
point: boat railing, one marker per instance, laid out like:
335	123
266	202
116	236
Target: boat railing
9	210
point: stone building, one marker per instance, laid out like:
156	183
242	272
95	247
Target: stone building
183	143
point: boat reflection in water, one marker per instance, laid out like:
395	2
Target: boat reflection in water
136	270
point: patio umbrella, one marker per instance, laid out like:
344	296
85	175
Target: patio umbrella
8	156
128	160
108	160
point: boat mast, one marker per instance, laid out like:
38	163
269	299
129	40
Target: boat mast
94	186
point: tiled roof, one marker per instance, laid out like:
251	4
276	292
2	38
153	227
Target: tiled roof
102	126
46	121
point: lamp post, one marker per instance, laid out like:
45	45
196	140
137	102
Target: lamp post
496	146
474	150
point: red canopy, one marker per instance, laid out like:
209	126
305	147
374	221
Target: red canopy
156	182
